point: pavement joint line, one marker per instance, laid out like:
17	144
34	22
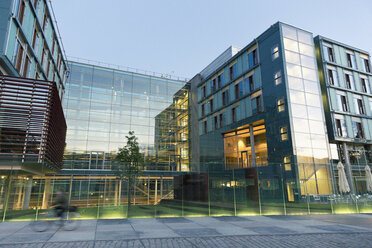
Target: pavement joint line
95	234
190	237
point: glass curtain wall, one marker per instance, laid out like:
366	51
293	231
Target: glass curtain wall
308	125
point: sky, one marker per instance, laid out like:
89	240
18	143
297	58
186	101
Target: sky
182	37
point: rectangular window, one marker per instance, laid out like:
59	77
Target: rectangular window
53	46
203	109
287	163
21	11
45	21
256	105
239	90
252	58
341	128
283	133
211	105
232	72
221	120
215	122
330	54
342	103
47	70
349	78
278	77
332	77
19	58
26	67
233	114
275	52
204	92
359	106
219	81
367	68
205	124
225	97
358	130
281	105
251	83
350	59
213	85
365	85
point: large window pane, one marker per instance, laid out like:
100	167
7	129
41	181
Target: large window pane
290	45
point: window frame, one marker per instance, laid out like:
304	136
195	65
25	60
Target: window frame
283	130
275	52
280	105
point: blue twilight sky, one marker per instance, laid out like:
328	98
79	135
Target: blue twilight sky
182	37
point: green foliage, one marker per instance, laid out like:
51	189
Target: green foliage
129	161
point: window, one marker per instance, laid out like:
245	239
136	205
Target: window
211	105
47	70
232	72
225	97
35	3
203	109
233	114
21	11
341	127
213	85
278	77
350	59
358	129
205	125
215	122
256	104
221	120
219	80
349	78
287	163
26	67
283	133
204	93
342	103
53	46
275	52
367	68
35	40
328	53
239	90
332	77
44	21
365	85
359	105
19	57
252	58
251	83
281	105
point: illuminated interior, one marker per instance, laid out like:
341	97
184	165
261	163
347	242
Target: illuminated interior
238	146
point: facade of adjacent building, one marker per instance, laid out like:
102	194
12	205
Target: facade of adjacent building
345	78
29	46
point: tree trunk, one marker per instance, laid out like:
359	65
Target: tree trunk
129	194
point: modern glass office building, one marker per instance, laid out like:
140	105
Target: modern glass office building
249	134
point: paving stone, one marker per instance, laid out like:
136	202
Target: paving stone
231	218
196	232
270	230
173	220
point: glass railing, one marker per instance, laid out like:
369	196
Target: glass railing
265	190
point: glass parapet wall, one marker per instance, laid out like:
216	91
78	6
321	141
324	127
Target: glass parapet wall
261	190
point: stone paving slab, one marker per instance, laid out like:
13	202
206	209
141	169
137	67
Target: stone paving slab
227	231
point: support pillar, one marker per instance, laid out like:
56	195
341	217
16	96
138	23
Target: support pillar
28	189
46	194
253	152
116	193
156	191
348	171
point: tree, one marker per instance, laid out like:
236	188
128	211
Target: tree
129	163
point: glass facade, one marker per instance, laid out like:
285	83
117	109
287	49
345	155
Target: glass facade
308	124
102	105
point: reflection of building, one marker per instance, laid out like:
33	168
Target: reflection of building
103	104
261	107
172	141
345	79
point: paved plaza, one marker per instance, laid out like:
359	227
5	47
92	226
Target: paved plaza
251	231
